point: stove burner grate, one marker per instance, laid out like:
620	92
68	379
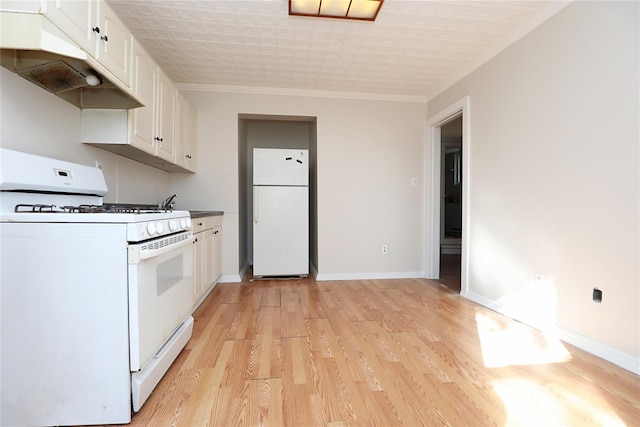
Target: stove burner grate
107	208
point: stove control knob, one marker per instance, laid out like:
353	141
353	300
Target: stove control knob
159	227
173	225
183	223
151	228
188	222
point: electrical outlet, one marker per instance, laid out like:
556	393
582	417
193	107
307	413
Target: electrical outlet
98	165
384	249
539	279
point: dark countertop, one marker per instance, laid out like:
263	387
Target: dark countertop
200	214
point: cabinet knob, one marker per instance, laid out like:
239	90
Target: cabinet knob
96	30
200	223
157	138
188	156
195	240
105	38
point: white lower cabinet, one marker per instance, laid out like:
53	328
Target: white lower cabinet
207	256
198	287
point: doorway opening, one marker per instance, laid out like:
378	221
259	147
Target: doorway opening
273	131
451	203
447	196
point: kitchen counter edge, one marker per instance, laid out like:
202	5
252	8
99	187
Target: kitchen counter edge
200	214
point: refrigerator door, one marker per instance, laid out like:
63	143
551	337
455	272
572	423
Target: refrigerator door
280	167
280	231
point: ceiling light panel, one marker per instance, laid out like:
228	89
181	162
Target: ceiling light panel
366	10
334	8
304	7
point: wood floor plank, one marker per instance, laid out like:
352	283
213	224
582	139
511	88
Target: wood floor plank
297	382
264	359
292	313
205	350
203	402
398	352
310	302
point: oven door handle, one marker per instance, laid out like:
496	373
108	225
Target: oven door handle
141	251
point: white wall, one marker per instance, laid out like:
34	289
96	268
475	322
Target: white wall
34	121
367	153
555	177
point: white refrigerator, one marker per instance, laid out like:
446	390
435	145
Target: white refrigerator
280	212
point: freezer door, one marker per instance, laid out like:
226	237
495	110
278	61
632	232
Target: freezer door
280	231
280	167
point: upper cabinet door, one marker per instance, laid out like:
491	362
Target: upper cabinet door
98	30
165	119
77	19
114	44
142	121
185	134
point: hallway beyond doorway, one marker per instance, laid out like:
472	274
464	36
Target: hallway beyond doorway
450	271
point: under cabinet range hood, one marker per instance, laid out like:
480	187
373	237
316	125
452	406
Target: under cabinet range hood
36	50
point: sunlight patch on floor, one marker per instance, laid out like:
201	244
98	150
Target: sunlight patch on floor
506	342
528	403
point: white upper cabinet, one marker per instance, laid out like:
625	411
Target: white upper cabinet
142	121
29	6
75	18
162	132
94	26
166	118
185	134
114	44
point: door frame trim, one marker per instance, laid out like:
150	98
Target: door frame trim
433	196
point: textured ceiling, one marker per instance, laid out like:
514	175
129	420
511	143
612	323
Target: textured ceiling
413	48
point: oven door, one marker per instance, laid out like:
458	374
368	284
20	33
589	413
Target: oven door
160	293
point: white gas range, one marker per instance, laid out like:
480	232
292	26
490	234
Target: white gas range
95	298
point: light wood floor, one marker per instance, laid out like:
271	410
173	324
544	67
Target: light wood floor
378	353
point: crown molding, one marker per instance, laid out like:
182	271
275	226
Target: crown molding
257	90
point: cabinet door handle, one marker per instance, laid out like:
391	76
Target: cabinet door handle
96	30
195	240
105	38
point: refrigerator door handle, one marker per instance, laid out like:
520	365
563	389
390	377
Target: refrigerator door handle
255	205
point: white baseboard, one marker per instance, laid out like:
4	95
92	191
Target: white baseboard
234	278
230	278
369	276
608	353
